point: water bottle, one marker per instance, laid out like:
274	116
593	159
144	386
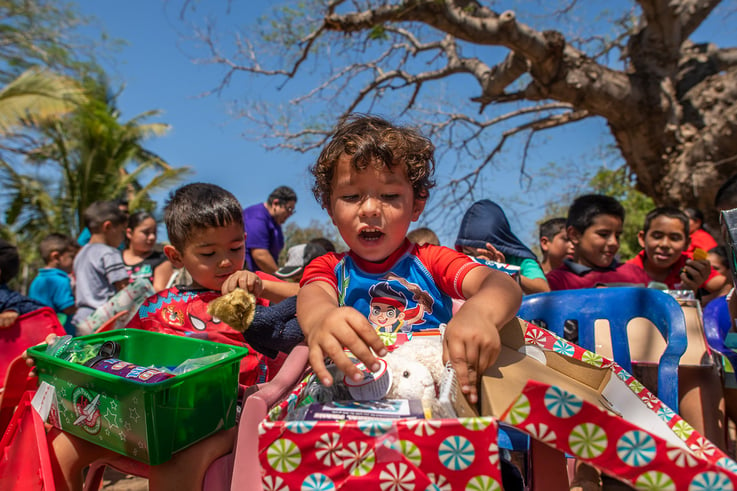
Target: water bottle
73	350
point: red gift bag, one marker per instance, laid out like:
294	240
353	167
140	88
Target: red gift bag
24	452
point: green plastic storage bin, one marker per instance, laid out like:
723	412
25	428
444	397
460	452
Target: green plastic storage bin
147	422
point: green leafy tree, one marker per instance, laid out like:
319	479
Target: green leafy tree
87	156
36	97
43	33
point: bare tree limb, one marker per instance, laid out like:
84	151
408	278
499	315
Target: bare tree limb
500	77
693	13
725	58
471	179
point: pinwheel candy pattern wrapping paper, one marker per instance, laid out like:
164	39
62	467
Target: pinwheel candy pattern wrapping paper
382	455
621	448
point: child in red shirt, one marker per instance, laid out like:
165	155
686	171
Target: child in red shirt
664	238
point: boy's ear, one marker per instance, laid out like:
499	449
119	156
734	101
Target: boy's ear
173	255
54	256
573	235
417	208
641	238
544	244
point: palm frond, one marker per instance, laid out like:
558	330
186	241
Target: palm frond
36	96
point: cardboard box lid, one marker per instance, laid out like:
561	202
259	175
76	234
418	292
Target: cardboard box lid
519	363
504	381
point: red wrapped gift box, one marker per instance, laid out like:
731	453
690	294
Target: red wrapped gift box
380	454
588	406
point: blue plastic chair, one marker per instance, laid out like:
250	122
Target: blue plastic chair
717	324
618	305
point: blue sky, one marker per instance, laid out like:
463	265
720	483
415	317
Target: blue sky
156	71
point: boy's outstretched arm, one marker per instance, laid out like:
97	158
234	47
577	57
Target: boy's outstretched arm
471	340
329	328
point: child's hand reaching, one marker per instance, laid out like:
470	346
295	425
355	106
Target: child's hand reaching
246	280
8	318
491	253
470	350
695	273
344	327
50	339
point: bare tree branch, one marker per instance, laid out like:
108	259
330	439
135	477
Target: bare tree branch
471	179
693	13
668	105
725	58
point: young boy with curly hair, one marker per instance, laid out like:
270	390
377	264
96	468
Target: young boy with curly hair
374	178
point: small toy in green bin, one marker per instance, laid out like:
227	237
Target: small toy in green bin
132	415
106	359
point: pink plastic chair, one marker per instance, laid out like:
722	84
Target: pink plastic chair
29	330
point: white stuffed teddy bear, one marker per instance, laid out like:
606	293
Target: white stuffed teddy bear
416	367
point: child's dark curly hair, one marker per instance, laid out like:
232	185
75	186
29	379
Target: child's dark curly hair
371	140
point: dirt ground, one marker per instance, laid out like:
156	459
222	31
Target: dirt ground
116	481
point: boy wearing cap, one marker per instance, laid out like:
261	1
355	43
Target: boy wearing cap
298	257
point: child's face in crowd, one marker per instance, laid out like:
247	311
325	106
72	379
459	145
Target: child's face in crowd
143	237
211	255
664	242
114	234
66	260
693	225
559	248
372	208
599	243
719	265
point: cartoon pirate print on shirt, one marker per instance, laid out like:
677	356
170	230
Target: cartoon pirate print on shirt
405	299
390	311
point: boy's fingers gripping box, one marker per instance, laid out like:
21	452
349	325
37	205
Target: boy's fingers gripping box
145	421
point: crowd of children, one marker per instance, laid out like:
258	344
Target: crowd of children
373	178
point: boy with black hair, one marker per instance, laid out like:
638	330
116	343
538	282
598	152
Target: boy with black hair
98	268
84	236
594	225
53	286
12	304
664	239
205	228
554	244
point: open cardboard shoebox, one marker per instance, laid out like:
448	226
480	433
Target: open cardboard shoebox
587	406
568	398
